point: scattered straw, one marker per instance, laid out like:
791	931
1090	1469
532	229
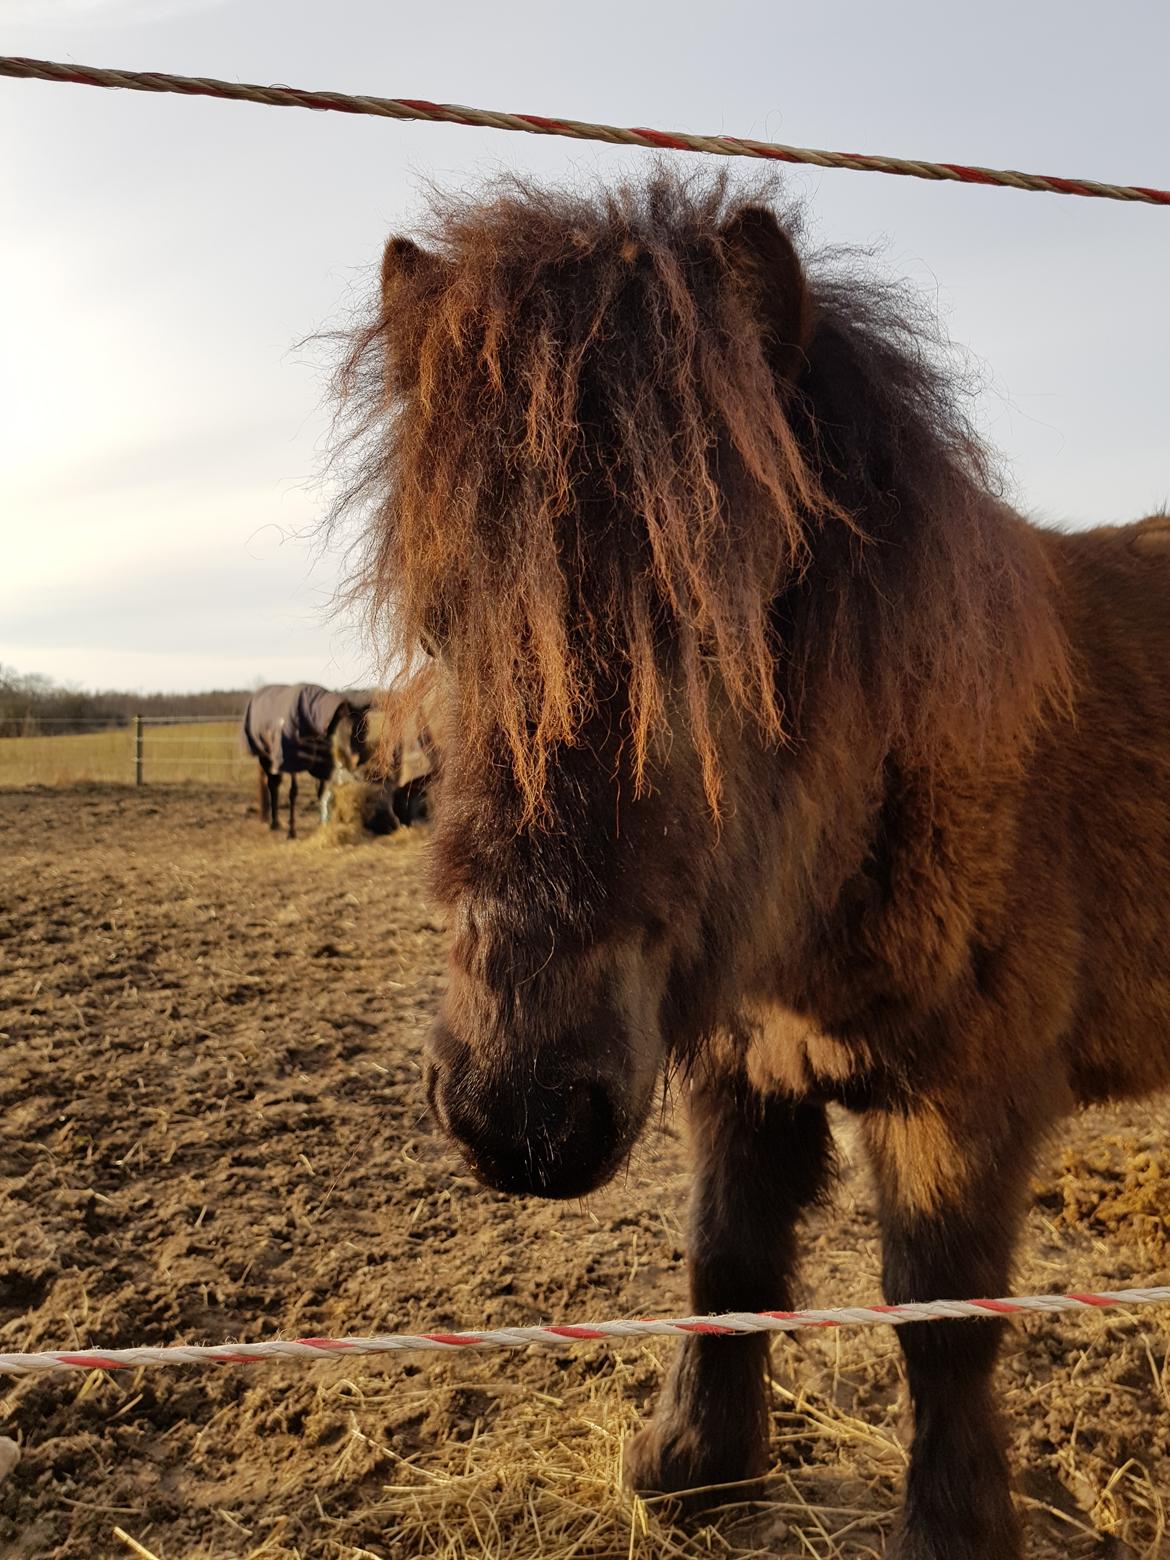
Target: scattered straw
134	1546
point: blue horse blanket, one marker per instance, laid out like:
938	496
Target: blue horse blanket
287	727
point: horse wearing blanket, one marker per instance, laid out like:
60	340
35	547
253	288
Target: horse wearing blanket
782	758
302	728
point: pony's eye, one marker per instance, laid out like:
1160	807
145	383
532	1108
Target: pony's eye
428	645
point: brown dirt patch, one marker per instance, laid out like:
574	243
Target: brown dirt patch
214	1129
1117	1186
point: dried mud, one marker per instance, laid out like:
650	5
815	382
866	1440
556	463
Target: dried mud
214	1129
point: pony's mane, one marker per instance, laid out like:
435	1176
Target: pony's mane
582	475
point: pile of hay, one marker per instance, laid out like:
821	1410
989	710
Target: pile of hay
359	810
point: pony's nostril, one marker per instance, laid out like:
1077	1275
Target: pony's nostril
560	1152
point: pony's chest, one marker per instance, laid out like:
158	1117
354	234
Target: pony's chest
788	1054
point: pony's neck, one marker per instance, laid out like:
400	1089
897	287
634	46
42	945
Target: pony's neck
928	630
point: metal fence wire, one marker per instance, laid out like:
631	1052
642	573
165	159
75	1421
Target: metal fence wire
163	749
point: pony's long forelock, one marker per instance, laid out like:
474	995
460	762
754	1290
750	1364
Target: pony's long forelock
584	476
581	475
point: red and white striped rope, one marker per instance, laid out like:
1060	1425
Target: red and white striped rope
575	129
727	1324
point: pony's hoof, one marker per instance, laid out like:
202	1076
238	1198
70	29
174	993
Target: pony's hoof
687	1474
956	1541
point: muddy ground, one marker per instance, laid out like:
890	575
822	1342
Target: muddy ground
214	1129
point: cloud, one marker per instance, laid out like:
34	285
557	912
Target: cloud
211	622
223	456
99	13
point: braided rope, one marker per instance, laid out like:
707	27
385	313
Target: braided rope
728	1324
575	129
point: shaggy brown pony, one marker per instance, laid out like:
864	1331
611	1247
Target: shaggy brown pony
780	753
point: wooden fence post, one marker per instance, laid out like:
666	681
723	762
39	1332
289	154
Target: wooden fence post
138	750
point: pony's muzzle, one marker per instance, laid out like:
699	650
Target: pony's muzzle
524	1137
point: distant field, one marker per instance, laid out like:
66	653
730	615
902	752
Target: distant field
207	752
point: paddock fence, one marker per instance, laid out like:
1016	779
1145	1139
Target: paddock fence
74	74
724	1324
124	750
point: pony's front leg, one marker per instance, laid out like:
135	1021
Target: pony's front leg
951	1176
759	1159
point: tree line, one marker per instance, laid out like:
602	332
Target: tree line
30	703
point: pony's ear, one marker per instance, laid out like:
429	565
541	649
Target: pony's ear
763	258
407	264
411	277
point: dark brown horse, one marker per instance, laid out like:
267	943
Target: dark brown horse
781	755
397	789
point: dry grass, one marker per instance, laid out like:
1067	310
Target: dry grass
538	1477
206	752
542	1480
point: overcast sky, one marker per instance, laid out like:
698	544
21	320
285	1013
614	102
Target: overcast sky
159	259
